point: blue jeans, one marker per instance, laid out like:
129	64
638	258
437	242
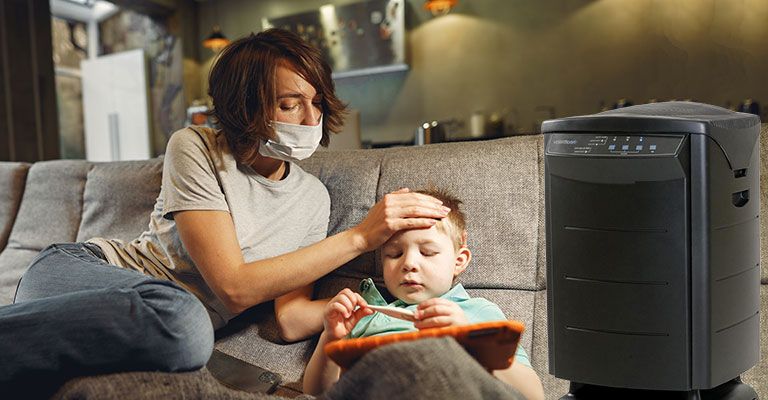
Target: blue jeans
74	314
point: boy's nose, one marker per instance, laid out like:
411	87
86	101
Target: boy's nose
409	264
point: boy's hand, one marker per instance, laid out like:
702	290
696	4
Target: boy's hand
340	315
437	313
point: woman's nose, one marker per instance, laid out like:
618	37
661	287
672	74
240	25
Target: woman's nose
312	116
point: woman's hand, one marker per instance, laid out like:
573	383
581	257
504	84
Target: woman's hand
437	313
340	314
396	211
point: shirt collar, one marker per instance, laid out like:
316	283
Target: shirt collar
369	292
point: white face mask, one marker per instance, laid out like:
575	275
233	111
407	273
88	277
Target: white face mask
293	142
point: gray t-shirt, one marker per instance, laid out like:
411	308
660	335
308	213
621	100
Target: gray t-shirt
199	173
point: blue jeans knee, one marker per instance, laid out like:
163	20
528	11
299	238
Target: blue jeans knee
63	268
183	332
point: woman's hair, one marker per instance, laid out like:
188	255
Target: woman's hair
242	84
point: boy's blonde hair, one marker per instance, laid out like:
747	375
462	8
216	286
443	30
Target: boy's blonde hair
454	225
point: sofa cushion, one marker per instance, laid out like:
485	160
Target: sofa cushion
330	285
118	199
351	178
517	305
50	212
52	204
253	337
498	182
13	263
13	176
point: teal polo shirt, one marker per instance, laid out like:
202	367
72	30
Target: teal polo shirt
475	309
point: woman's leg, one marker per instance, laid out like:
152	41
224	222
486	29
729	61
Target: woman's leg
98	318
70	267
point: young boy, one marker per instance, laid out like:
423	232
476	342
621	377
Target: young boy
420	268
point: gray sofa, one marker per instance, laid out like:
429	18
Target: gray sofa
500	181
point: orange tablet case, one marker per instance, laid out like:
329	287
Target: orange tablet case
492	344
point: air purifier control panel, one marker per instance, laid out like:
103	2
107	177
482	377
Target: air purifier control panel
613	145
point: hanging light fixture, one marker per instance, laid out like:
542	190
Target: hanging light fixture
439	7
216	40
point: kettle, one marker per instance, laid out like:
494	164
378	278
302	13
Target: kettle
429	132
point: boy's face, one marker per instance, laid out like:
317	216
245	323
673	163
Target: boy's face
421	264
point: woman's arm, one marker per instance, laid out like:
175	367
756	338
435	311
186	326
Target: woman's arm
298	316
210	239
522	378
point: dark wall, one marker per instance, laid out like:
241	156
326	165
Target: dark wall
530	60
28	122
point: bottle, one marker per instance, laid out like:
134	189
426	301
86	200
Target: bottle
477	124
495	126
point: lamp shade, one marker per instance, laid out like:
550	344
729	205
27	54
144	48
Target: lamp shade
216	40
439	7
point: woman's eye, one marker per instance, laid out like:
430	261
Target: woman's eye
288	107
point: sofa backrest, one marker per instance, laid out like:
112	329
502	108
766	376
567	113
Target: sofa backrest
499	182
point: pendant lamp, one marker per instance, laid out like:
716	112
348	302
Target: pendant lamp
216	40
439	7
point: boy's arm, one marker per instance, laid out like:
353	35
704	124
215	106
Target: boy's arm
321	372
339	318
522	378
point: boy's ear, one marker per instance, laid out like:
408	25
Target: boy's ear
463	256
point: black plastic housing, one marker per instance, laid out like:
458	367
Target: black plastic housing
653	272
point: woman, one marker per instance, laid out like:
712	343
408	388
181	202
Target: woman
236	224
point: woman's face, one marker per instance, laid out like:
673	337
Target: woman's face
297	101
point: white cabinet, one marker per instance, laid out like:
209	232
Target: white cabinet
116	107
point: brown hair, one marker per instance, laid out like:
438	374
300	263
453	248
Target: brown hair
242	84
454	224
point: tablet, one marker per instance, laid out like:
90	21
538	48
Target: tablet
492	344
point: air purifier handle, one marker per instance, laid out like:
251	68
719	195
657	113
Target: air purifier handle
739	199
